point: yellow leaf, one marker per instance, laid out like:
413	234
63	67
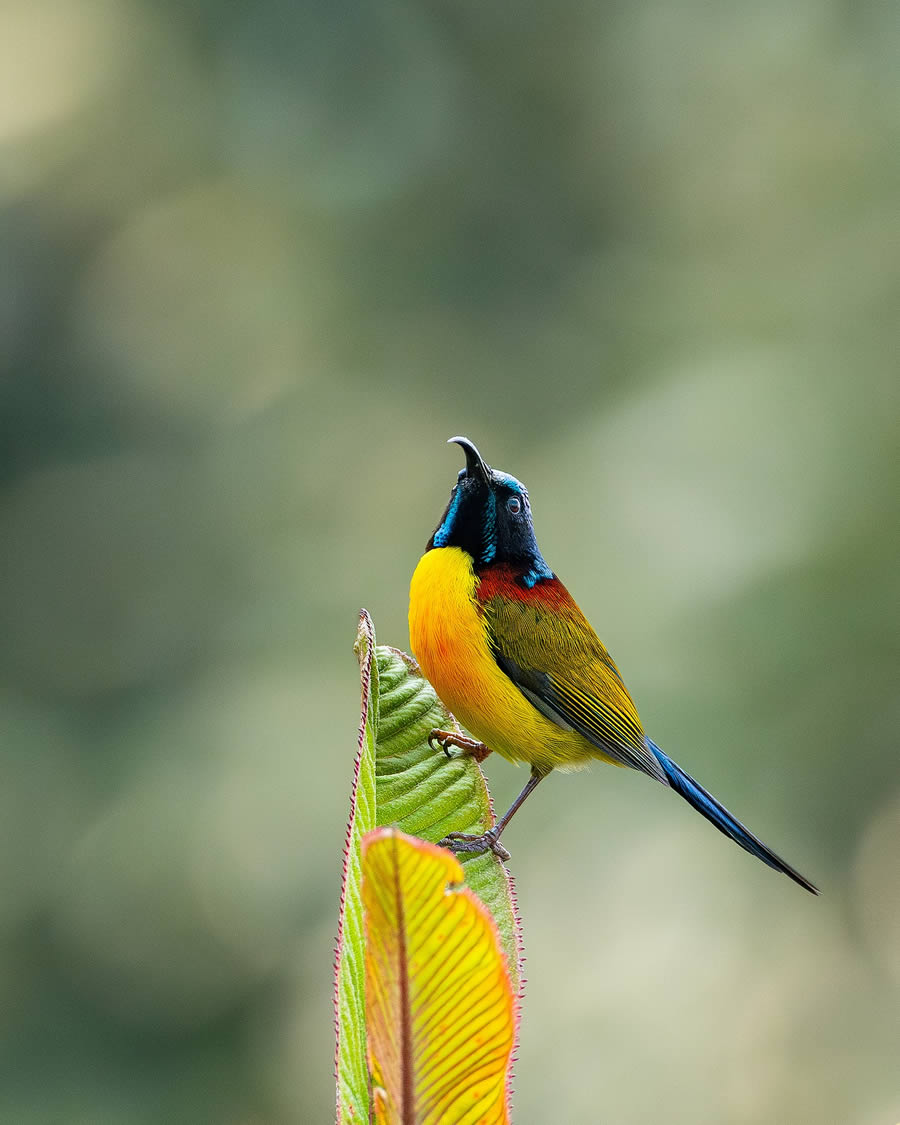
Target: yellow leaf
440	1012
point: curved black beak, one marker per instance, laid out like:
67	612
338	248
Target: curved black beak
475	465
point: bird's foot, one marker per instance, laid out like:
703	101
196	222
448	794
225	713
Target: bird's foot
470	747
486	842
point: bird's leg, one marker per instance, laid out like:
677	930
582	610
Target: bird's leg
490	840
470	747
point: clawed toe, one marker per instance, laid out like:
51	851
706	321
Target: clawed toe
464	842
441	740
470	747
500	852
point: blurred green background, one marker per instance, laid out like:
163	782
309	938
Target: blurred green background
259	261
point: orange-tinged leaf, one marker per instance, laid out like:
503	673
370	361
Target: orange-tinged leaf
440	1009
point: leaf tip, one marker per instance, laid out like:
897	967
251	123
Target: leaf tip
365	635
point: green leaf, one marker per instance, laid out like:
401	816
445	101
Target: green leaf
440	1009
400	780
421	792
353	1097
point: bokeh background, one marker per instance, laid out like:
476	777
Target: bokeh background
259	261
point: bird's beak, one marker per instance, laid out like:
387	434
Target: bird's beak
475	465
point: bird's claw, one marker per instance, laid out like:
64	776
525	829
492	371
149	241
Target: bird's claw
471	748
441	740
464	842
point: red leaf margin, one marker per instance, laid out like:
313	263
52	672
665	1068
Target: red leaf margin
366	629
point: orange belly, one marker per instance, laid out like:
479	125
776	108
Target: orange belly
449	639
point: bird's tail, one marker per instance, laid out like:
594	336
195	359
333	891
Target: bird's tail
705	803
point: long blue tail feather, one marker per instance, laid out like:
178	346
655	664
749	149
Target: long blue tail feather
717	814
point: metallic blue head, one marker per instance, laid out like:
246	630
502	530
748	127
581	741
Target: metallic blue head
489	516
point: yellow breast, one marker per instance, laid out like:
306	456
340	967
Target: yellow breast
449	639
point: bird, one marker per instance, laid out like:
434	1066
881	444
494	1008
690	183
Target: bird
516	661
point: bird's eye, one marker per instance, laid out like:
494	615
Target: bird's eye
514	505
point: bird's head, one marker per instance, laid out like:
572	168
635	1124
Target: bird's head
489	516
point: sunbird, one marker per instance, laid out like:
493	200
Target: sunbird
516	661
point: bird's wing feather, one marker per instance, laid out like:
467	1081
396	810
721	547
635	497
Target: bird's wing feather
545	644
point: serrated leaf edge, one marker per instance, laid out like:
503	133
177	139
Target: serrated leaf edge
364	647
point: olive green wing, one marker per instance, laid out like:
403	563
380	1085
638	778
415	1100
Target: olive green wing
547	647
